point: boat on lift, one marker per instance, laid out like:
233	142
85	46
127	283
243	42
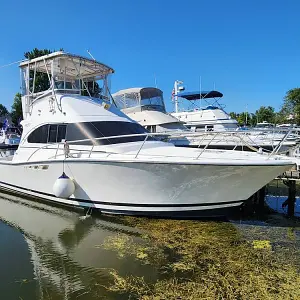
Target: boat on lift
78	149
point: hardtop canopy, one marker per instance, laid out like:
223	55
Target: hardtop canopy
73	66
200	95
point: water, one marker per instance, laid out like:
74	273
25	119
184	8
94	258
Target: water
53	253
275	202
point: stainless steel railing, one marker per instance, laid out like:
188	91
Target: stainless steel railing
203	135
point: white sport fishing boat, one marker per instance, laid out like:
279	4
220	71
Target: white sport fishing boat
82	151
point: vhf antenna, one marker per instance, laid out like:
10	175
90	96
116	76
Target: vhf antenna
88	51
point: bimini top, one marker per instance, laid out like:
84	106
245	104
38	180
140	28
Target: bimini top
73	66
200	95
145	92
145	98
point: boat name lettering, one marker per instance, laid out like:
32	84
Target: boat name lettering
38	167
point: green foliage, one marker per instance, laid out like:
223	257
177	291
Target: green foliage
291	105
233	115
242	118
3	110
266	113
41	80
16	112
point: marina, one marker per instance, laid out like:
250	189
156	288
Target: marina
151	151
69	138
76	191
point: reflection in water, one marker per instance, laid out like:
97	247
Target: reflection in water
275	202
106	257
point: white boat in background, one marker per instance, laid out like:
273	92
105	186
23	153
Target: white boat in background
213	118
82	151
9	137
210	117
146	106
212	126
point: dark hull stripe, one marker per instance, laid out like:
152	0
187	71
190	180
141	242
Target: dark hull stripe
123	204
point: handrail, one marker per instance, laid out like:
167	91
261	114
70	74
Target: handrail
142	146
169	135
206	146
275	151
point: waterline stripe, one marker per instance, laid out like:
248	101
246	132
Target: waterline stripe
124	204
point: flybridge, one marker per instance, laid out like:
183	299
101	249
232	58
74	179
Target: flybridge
63	73
72	66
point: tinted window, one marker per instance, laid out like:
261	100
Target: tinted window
52	134
39	135
61	133
88	130
48	134
92	130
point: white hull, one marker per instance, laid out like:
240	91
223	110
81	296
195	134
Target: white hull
141	188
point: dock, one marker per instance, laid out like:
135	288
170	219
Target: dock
289	179
290	175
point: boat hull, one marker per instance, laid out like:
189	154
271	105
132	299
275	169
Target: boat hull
161	189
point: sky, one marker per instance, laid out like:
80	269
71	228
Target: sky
249	50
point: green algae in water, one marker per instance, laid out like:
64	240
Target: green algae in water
204	260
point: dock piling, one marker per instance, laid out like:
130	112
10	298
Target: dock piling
291	200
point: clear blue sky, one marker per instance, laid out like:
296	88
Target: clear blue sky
249	49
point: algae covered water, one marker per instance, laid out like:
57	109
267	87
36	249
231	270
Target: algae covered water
54	253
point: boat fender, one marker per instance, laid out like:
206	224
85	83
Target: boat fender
63	187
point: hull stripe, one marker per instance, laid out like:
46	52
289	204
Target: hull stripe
120	204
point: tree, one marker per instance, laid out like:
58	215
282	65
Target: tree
291	105
41	84
266	114
16	112
233	115
246	119
3	111
41	79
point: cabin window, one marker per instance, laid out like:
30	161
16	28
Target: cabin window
86	133
52	134
151	128
39	135
199	128
48	134
61	133
210	128
94	130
